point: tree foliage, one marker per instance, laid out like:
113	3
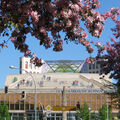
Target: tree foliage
4	113
103	113
111	61
46	19
119	114
83	112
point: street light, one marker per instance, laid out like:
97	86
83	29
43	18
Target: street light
89	113
13	67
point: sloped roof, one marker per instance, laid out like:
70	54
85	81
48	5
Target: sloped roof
55	80
73	66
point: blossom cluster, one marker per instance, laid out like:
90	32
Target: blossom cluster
58	45
111	56
111	62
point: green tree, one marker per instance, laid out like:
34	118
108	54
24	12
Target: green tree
94	116
83	112
4	113
119	114
103	113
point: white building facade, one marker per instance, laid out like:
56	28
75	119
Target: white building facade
72	66
26	65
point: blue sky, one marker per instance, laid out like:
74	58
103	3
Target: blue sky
10	56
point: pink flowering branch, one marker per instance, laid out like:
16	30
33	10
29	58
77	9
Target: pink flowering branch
46	19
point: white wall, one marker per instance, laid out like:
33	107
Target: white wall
28	66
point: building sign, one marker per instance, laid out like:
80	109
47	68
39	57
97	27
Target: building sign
75	83
48	112
82	91
64	108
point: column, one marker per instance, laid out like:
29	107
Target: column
64	103
25	116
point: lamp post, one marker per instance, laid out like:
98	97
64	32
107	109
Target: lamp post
89	113
13	67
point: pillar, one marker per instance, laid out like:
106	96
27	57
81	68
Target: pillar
64	103
25	116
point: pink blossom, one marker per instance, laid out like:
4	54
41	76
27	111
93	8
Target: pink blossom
55	12
86	43
75	7
112	9
58	45
90	19
77	31
93	12
27	53
88	60
81	40
69	13
80	3
69	23
108	44
113	40
98	25
84	34
107	15
104	48
89	49
98	44
42	30
96	33
35	16
64	14
13	39
102	19
34	55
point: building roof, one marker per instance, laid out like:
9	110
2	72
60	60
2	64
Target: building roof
73	66
56	80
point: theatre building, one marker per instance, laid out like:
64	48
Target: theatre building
53	91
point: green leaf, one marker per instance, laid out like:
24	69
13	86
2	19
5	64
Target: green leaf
4	112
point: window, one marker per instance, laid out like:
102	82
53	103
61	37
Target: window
34	67
93	66
30	66
90	66
97	66
26	65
